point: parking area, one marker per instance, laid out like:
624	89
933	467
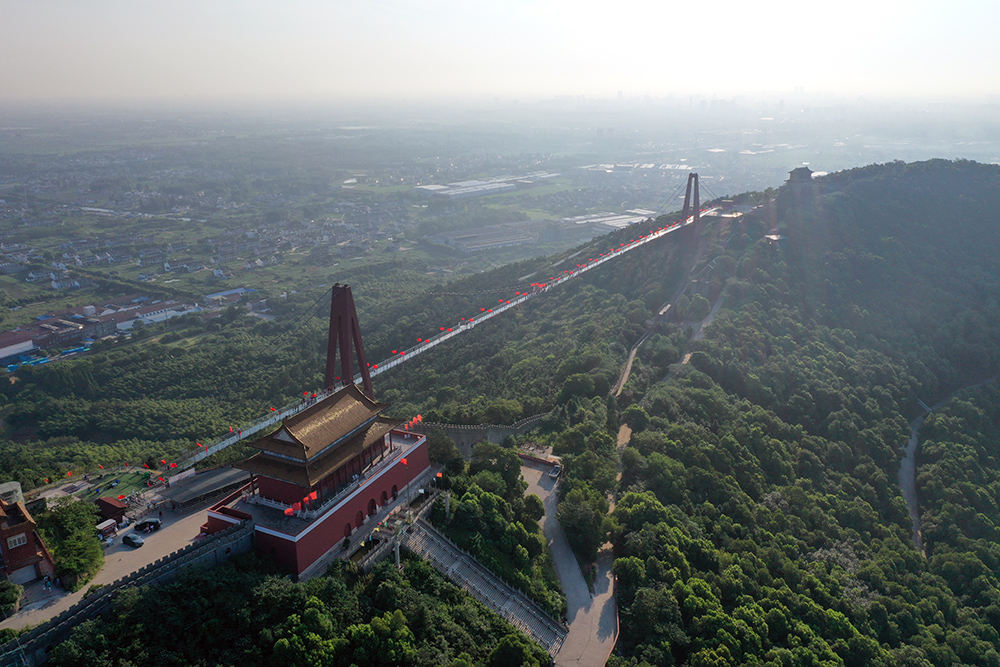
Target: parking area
120	560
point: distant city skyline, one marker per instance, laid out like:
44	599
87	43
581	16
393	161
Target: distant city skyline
310	50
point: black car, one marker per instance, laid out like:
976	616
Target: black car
148	525
132	540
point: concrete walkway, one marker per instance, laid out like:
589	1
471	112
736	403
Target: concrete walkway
593	618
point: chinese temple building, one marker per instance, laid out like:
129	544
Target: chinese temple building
323	474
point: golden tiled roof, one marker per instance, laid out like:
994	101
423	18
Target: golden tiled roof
306	434
308	474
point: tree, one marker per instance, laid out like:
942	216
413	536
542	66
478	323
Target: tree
636	417
513	651
441	448
68	529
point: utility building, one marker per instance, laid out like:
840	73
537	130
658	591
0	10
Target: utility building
324	473
23	556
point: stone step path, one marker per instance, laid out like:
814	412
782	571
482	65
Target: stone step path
520	611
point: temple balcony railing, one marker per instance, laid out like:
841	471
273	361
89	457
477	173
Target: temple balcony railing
399	442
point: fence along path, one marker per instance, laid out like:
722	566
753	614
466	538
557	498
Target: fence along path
425	541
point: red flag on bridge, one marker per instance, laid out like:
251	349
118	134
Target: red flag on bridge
404	461
289	511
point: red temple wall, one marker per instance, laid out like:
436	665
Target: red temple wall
279	550
280	490
330	531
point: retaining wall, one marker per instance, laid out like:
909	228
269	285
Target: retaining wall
467	435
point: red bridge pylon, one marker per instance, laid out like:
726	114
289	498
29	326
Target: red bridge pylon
345	331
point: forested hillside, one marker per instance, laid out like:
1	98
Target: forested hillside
760	521
239	614
758	518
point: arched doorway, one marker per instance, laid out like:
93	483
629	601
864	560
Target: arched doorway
372	507
359	518
347	529
395	492
384	498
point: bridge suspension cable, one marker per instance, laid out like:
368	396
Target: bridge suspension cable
446	333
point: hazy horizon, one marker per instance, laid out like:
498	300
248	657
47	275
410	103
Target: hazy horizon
253	51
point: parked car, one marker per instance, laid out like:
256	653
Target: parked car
133	540
554	473
148	525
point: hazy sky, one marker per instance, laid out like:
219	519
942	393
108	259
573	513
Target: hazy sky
305	49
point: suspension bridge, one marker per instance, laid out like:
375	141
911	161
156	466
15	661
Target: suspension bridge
345	332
